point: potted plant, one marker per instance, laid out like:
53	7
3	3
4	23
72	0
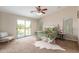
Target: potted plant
51	33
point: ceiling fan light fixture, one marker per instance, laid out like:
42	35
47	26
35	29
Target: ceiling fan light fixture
39	14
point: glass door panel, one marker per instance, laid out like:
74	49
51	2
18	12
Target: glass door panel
20	28
28	28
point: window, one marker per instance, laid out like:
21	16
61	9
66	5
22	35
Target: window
23	28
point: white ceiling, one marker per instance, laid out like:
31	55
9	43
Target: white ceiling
25	10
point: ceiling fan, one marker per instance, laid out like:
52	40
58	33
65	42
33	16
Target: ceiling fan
40	10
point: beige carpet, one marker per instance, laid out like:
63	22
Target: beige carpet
25	45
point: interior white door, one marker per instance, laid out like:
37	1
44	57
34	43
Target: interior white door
68	26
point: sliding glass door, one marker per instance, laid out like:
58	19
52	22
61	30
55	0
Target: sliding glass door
23	28
27	28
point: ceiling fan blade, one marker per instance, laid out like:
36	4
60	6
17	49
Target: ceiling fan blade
43	12
44	9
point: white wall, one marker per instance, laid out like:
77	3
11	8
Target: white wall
0	21
78	24
57	18
8	23
78	31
